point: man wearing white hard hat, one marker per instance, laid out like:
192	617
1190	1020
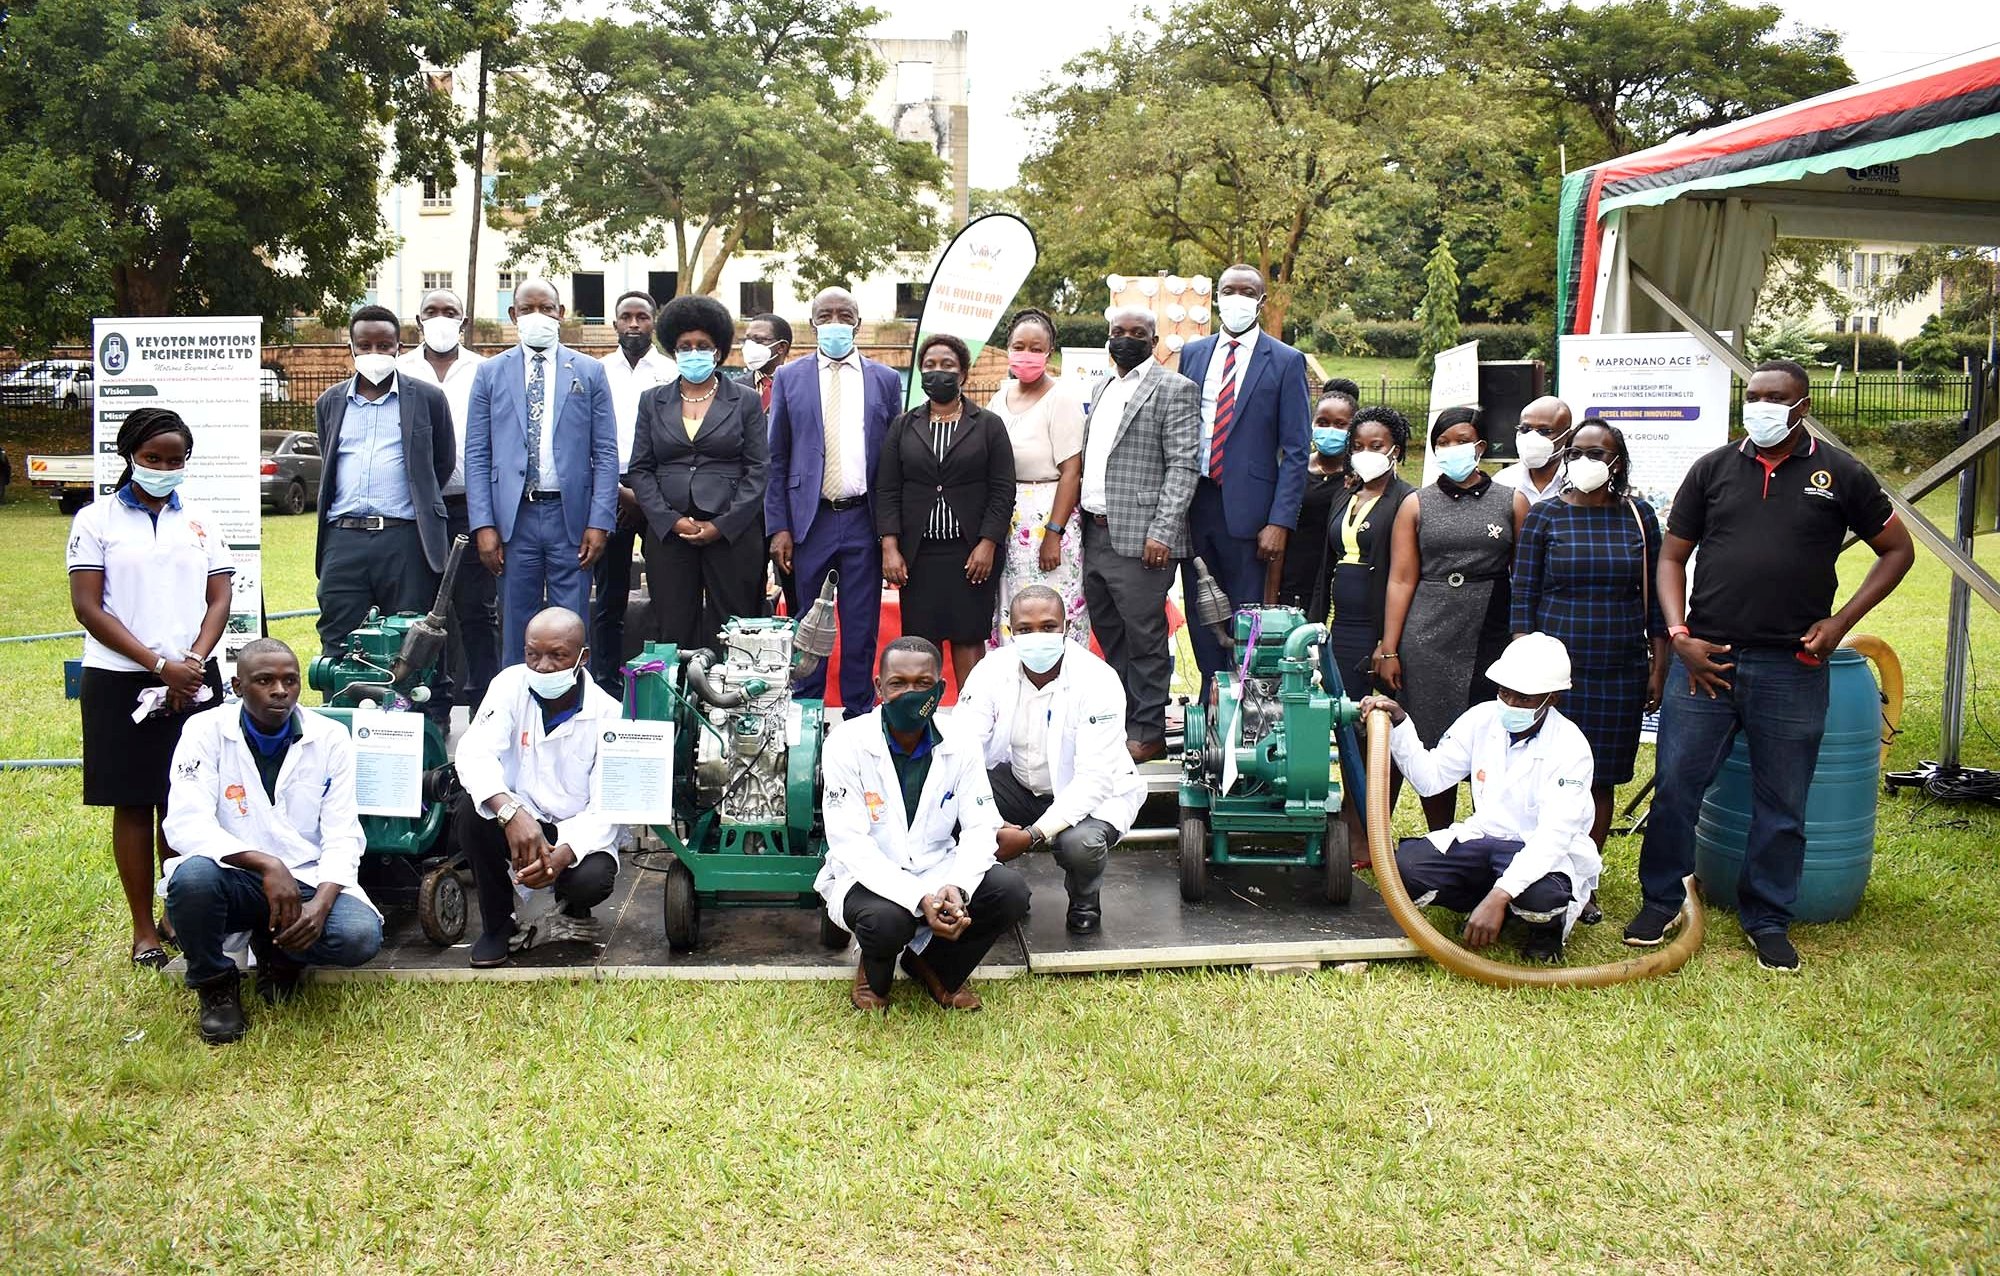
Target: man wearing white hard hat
1527	847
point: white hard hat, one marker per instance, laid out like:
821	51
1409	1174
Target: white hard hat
1532	665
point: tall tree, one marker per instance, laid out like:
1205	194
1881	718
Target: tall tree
698	127
163	156
1437	315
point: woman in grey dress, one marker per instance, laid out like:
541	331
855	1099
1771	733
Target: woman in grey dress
1445	617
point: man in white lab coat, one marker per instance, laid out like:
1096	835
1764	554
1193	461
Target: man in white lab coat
1527	848
260	809
1051	719
910	830
525	764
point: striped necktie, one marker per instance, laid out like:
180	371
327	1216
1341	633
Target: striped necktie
537	387
1225	414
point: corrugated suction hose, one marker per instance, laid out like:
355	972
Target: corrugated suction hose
1446	953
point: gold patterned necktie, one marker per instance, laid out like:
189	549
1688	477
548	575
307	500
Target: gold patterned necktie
831	485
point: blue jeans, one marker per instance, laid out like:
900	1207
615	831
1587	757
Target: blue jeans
1779	705
207	900
541	572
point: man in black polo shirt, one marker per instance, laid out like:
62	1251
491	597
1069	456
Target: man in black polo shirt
1769	515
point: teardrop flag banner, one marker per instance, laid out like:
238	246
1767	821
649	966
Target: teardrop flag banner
973	287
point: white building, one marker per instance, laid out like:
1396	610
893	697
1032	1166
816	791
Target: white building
922	97
1855	274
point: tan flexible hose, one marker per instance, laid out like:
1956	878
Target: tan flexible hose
1889	672
1382	847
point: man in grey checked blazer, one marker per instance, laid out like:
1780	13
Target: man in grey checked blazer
1139	469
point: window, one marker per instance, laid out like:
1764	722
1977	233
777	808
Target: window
1874	323
755	298
369	296
506	281
910	300
435	196
663	285
1839	324
436	279
1843	273
586	294
1874	268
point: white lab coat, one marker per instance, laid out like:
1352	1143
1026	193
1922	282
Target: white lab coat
216	805
1090	770
505	748
1536	792
868	841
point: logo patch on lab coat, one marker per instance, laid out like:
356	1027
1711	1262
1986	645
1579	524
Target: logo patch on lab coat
188	770
875	806
235	793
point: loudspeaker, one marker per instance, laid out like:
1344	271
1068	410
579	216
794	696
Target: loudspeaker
1505	387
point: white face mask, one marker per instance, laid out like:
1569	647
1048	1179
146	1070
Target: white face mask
1369	466
1535	448
1237	313
556	685
1039	652
538	331
375	368
1586	475
441	333
1768	424
756	354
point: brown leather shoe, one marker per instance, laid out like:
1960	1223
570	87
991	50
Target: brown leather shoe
863	997
920	970
1144	753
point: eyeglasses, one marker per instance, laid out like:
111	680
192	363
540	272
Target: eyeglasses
1603	454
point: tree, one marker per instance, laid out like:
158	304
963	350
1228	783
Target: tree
168	156
700	127
1437	317
1968	280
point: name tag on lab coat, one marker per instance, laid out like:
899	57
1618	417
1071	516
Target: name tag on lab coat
633	782
388	763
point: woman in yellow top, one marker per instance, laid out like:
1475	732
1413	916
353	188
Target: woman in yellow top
1355	581
700	452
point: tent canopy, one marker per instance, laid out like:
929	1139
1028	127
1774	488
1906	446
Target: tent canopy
1911	159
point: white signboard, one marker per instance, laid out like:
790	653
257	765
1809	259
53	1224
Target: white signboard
1663	390
1454	384
208	370
388	762
633	782
1084	369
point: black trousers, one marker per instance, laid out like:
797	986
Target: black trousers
695	588
475	615
1082	849
1128	617
607	610
359	570
884	928
581	887
1460	878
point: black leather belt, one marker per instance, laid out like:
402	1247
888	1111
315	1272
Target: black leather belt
540	498
1458	580
369	522
1101	520
844	503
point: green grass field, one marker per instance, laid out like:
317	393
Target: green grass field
1720	1120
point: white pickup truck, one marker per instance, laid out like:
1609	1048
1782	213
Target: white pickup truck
71	480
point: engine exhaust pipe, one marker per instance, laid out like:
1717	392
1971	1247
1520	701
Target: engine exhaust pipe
813	640
1211	606
423	645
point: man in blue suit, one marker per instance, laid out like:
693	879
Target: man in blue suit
1255	423
541	468
829	415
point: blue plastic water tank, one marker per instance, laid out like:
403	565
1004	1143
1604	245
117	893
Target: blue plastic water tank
1840	808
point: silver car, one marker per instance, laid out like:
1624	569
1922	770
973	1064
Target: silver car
289	471
62	383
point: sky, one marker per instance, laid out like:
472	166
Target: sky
1016	46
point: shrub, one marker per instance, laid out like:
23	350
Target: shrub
1877	351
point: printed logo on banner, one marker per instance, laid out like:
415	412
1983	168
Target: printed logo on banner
113	355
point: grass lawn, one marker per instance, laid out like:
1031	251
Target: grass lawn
1721	1120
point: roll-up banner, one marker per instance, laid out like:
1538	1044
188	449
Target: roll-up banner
1663	390
208	370
973	287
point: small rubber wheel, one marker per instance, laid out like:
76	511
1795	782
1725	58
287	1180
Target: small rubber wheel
441	906
1194	855
683	910
830	933
1339	865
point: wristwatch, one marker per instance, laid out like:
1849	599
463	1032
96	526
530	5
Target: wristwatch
159	666
1053	529
1036	838
505	815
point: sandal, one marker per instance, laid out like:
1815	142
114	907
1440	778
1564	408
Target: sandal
155	958
167	936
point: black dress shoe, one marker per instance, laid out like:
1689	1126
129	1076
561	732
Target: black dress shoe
221	1017
490	950
1086	916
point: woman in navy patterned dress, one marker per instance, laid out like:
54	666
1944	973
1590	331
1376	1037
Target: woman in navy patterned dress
1583	566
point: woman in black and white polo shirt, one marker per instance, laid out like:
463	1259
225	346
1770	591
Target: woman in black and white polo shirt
149	582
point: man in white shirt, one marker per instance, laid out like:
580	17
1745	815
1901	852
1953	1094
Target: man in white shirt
1051	718
1527	848
525	764
1544	425
444	360
635	367
261	814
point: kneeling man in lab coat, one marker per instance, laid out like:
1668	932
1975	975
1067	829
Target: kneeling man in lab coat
260	813
910	825
525	764
1527	848
1051	718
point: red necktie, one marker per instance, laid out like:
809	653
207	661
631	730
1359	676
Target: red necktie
764	393
1225	414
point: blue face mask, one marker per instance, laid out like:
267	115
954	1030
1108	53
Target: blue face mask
157	482
695	366
1327	440
1039	652
1458	461
1517	718
836	340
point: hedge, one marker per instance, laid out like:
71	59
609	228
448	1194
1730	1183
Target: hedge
1877	351
1400	338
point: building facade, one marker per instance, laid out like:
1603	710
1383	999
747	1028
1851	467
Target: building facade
1856	274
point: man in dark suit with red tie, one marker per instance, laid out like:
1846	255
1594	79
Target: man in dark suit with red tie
1256	420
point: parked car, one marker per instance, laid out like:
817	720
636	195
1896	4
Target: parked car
290	471
275	384
63	383
70	480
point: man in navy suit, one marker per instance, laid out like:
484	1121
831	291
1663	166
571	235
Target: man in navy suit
1255	422
541	468
829	415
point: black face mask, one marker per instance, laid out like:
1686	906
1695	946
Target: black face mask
1129	352
635	344
941	386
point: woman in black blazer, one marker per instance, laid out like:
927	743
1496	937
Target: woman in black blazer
944	499
699	454
1354	581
